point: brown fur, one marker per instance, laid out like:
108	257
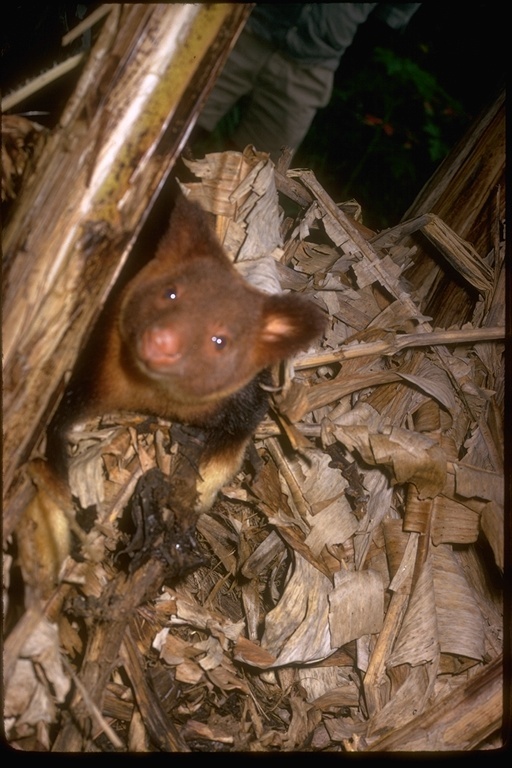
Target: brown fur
187	338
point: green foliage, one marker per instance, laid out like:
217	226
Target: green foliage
437	104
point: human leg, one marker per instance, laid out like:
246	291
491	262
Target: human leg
236	79
283	103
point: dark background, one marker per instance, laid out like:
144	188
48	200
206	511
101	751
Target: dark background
400	102
449	66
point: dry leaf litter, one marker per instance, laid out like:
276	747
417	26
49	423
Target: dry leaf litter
343	599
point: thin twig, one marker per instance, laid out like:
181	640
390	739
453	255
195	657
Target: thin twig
87	23
41	82
393	343
93	709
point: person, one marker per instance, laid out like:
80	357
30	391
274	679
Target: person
282	68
